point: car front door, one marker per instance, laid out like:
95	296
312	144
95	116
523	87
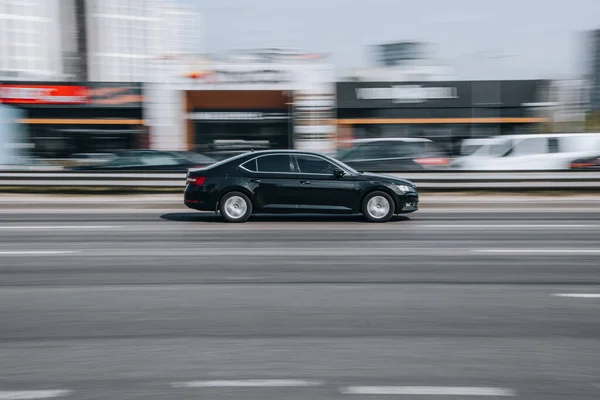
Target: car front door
274	181
320	189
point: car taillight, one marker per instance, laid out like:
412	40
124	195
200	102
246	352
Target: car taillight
583	165
432	161
195	180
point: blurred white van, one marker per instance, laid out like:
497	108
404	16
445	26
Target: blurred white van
470	146
530	152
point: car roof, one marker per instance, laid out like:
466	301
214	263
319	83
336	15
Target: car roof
264	152
407	140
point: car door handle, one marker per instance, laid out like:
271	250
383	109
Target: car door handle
255	180
305	182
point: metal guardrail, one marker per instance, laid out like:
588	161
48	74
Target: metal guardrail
427	180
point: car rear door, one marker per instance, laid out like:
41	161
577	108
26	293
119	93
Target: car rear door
274	181
320	190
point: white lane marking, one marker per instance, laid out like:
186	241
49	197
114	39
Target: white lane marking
248	383
274	252
579	295
506	226
58	227
429	391
538	251
32	394
35	253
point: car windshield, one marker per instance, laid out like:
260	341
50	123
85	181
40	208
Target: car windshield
499	149
342	153
387	149
121	161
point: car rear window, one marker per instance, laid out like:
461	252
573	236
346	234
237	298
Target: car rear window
365	151
412	149
250	165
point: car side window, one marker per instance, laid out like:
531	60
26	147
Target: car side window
401	149
275	163
315	165
250	165
367	151
553	145
500	149
531	146
125	161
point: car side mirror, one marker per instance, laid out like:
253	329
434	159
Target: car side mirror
338	173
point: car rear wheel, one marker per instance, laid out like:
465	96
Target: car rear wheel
235	207
378	207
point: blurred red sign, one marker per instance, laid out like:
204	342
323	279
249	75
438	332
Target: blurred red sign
43	94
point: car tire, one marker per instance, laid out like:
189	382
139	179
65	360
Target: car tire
378	207
235	207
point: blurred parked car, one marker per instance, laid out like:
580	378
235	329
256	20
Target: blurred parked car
393	155
90	158
151	160
29	164
587	163
530	152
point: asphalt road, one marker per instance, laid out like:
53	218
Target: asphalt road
171	304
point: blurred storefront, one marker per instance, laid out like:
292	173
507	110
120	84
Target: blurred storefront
63	119
223	105
445	111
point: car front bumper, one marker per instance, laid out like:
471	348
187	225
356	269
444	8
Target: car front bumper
407	203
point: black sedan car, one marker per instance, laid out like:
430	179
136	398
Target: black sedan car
287	181
150	160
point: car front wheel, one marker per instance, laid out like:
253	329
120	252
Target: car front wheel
378	207
235	207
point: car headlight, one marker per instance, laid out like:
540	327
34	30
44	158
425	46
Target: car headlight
404	188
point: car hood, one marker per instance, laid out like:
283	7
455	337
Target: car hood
369	176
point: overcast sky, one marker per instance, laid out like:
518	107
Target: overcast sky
478	38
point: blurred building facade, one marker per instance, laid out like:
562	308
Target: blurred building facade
445	111
402	62
95	40
399	53
62	118
567	105
74	39
418	72
212	104
30	40
124	35
594	62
